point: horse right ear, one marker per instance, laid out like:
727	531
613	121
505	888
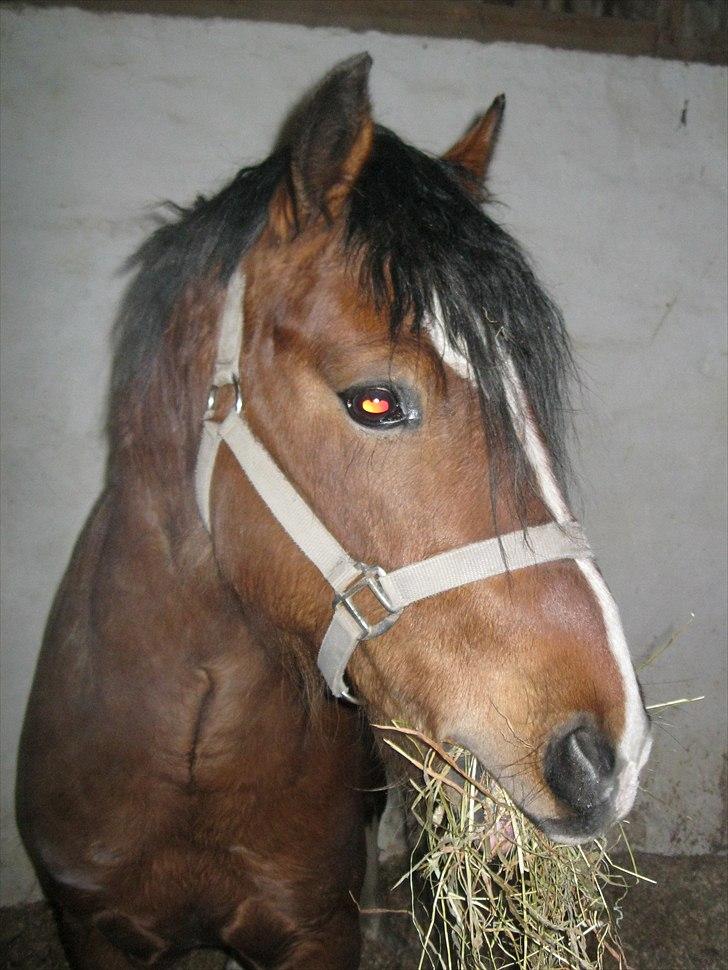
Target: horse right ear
473	152
329	140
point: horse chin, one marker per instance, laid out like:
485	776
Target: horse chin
577	829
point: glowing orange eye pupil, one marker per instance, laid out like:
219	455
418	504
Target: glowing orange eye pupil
375	405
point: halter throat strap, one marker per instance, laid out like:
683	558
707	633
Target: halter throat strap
395	590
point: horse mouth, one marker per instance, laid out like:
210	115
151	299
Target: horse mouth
578	814
576	829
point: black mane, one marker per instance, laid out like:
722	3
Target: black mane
419	232
424	235
212	233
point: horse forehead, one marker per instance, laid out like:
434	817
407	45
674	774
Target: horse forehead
313	280
311	327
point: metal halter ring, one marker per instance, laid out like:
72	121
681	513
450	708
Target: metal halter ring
369	579
212	396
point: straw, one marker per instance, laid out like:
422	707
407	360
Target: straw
489	889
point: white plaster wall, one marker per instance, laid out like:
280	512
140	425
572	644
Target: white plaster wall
623	207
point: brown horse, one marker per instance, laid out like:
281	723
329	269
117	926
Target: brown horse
186	779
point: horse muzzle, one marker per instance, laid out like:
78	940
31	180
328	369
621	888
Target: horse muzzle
591	779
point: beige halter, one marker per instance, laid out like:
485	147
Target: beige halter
394	590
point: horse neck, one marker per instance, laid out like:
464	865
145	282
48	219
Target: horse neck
155	425
155	435
155	421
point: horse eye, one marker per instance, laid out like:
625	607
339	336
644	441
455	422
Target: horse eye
374	407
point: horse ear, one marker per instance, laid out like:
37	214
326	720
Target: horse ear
330	140
474	150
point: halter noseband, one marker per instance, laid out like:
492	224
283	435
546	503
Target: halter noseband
394	590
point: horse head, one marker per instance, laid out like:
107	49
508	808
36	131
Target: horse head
404	372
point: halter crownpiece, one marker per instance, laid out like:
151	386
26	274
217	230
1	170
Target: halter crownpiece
394	590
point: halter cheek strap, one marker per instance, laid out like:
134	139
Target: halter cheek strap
394	590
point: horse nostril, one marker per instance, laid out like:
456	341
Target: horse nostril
578	767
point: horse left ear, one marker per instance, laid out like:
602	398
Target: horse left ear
474	150
331	138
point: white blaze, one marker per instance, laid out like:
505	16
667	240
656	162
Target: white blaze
634	745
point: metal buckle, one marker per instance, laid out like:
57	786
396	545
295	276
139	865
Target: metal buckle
212	396
369	579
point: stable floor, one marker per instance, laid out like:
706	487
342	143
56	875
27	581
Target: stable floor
679	924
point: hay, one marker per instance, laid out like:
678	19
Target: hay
501	894
498	893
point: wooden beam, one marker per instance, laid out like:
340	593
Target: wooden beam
468	19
